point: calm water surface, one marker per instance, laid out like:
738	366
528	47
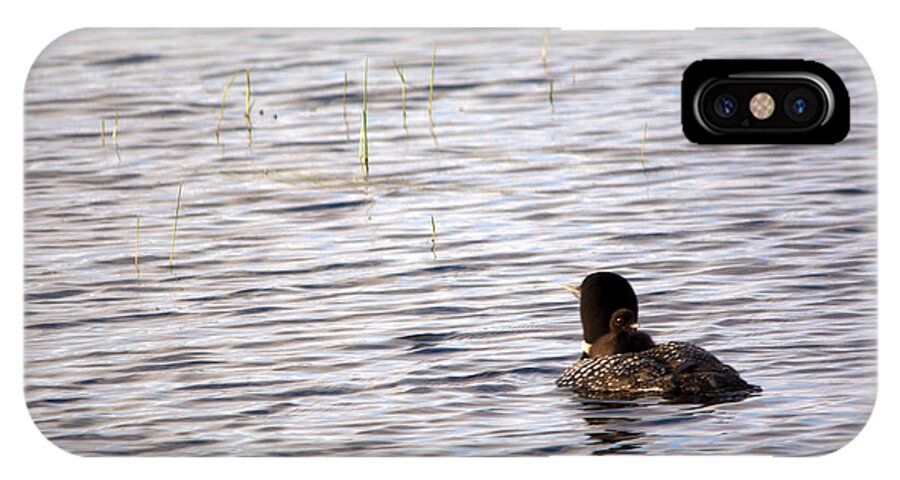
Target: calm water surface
308	311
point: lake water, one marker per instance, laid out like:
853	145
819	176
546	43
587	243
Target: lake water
311	310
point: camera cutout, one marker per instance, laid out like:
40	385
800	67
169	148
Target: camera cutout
764	101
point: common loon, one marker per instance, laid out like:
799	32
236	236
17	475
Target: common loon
635	367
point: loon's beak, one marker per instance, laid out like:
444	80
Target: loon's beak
574	288
635	326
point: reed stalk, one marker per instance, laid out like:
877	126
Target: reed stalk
431	94
175	225
103	132
433	237
644	145
222	108
402	95
115	136
544	52
546	69
550	95
115	132
431	84
247	110
364	128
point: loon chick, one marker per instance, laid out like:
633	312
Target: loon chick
677	370
623	336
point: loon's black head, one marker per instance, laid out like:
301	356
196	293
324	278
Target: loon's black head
601	294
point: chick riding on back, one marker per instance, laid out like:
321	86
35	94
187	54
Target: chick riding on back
623	336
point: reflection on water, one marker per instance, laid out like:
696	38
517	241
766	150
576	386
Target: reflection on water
305	312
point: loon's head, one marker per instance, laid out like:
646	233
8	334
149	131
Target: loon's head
602	294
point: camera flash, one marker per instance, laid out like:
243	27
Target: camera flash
762	105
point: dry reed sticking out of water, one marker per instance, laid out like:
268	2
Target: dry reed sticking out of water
137	234
544	52
364	128
431	94
573	75
550	95
546	69
175	225
247	110
644	145
103	132
399	71
115	136
222	108
346	123
115	133
433	237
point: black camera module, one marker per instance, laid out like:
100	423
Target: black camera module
805	102
725	105
801	105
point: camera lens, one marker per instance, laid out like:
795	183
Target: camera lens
725	105
801	105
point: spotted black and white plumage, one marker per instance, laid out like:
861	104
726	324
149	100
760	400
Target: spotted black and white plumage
671	369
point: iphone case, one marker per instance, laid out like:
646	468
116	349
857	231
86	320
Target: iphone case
354	242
